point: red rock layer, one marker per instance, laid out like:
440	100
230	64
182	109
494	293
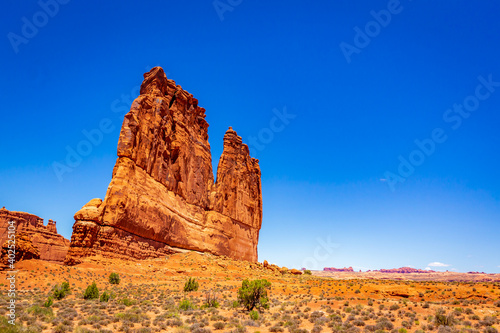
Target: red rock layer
50	245
162	197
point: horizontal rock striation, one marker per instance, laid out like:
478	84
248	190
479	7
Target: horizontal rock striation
162	197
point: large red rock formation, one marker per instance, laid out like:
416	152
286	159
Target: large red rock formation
44	238
162	197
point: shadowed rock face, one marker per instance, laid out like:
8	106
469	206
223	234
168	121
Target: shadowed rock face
36	240
162	197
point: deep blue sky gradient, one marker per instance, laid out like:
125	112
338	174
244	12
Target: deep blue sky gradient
324	174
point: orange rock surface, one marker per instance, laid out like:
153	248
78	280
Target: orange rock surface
162	197
44	238
24	250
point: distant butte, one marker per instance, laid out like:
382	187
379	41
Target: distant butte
333	269
34	240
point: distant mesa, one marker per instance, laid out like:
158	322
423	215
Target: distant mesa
401	270
162	198
333	269
34	240
404	270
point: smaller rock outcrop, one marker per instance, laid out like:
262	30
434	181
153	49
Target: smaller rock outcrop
24	250
34	240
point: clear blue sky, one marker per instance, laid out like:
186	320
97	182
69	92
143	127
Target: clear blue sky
355	104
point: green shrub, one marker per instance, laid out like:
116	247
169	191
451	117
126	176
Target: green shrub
104	297
191	285
61	292
128	302
219	325
186	305
43	313
48	302
254	315
211	300
253	294
91	292
442	319
307	272
114	278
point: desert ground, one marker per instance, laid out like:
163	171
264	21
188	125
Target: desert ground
150	297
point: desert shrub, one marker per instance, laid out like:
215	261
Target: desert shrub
128	302
61	292
490	329
370	328
114	278
315	315
104	297
186	304
402	330
175	322
443	319
394	307
488	321
91	292
62	329
307	272
254	315
358	322
253	294
219	325
211	300
447	329
48	302
43	313
316	329
191	285
384	324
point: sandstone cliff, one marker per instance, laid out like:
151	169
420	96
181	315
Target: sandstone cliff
162	197
34	238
